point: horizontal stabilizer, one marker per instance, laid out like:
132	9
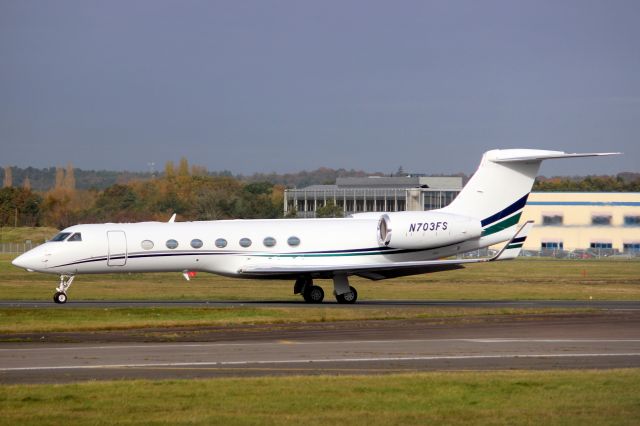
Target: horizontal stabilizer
512	249
523	155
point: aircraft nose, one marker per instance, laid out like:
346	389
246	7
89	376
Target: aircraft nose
19	261
26	261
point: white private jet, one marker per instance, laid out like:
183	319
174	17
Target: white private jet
371	245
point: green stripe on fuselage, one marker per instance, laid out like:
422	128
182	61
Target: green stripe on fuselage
500	226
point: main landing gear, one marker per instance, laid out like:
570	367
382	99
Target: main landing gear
61	292
311	293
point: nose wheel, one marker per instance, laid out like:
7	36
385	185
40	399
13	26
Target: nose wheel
60	295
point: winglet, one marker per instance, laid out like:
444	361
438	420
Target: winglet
512	249
173	218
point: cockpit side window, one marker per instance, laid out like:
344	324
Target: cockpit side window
75	237
61	236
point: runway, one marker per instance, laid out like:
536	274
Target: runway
598	340
595	304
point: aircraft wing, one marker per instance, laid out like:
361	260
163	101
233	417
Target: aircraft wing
392	269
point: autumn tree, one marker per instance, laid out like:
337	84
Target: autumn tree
198	170
169	170
183	167
69	180
59	178
8	177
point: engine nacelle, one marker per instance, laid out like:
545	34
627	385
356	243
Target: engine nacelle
423	230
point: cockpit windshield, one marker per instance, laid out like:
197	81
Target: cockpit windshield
61	236
75	237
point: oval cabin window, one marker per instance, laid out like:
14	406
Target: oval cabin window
172	244
147	244
293	241
196	243
269	242
245	242
221	243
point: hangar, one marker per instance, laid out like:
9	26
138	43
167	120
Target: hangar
600	222
374	193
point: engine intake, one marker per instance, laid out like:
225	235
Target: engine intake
423	230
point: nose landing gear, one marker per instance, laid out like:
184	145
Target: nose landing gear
61	291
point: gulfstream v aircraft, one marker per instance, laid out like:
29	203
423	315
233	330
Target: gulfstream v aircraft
371	245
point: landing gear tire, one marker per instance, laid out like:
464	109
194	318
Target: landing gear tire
348	298
61	291
313	294
60	297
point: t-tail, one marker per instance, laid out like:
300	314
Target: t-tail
498	191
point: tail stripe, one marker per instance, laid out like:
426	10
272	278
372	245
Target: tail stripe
513	220
506	212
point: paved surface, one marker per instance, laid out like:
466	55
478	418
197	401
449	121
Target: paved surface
607	339
599	304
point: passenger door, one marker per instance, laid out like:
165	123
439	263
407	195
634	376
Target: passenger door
117	255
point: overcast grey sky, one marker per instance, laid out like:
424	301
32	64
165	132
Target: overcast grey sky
283	86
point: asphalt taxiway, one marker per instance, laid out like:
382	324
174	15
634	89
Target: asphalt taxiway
602	339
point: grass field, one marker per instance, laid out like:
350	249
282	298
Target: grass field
454	398
519	279
37	235
24	320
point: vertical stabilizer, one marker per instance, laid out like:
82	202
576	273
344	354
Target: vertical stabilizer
498	191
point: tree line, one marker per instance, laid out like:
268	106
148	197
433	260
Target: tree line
188	191
622	182
44	179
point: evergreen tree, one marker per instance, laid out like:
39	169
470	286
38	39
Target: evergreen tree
330	209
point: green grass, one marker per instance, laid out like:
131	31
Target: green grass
457	398
37	234
27	320
519	279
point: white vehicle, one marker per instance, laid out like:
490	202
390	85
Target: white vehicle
371	245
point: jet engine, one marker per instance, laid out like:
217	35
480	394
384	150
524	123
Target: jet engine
424	230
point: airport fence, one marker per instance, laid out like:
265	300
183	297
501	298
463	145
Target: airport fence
16	248
576	254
